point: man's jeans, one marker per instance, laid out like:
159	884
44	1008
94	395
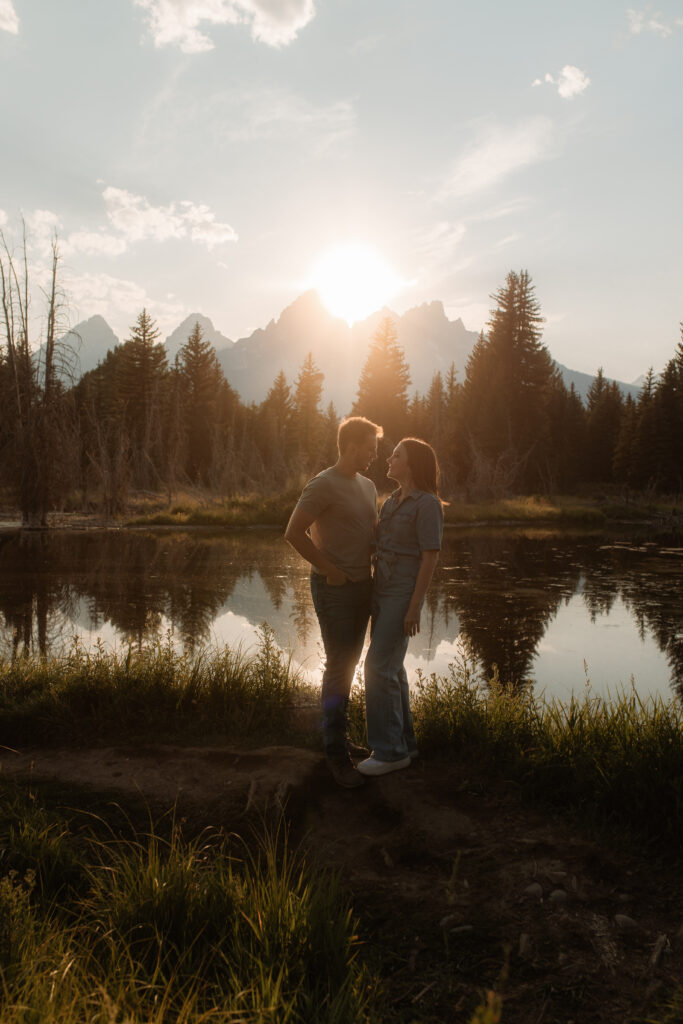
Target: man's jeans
391	735
343	613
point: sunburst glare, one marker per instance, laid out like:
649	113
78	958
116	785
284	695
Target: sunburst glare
353	281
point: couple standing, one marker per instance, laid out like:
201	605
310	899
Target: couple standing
335	527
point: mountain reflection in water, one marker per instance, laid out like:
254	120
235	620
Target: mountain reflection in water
533	603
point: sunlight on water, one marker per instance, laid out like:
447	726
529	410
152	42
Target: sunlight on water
537	606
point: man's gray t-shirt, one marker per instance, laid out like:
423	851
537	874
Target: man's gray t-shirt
344	511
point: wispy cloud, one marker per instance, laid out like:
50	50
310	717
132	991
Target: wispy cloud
133	219
94	243
438	244
9	22
275	114
180	22
497	153
570	82
647	20
137	219
119	301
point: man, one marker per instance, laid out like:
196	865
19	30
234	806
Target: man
333	528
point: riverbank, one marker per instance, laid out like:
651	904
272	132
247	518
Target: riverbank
536	840
618	759
253	510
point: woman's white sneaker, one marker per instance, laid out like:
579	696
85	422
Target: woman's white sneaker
371	766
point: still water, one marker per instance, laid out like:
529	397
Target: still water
555	607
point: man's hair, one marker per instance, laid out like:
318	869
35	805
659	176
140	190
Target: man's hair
354	429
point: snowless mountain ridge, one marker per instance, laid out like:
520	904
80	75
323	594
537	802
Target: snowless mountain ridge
430	340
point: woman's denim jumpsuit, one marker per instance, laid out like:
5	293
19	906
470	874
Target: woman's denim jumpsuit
405	529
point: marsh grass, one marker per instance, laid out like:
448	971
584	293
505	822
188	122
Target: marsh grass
525	509
240	510
152	692
275	510
158	928
616	759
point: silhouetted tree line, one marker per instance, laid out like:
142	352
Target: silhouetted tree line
136	422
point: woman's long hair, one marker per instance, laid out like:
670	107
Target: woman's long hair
423	464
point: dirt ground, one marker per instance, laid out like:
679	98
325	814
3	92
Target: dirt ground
452	878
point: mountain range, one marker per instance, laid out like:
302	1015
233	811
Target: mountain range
430	340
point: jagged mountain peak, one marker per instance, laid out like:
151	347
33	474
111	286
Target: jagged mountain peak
177	338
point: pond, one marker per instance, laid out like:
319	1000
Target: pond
559	608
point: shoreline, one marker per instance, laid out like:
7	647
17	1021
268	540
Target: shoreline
241	515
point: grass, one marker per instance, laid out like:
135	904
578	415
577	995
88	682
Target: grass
525	509
241	510
254	510
617	759
107	922
148	693
147	928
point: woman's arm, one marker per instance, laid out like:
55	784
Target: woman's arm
411	623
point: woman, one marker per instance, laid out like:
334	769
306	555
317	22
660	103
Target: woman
408	542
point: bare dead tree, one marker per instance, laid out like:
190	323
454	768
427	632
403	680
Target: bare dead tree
40	435
494	477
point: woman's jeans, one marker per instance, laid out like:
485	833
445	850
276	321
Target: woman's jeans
391	735
343	613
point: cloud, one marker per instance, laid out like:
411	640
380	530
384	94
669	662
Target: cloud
93	243
273	114
42	228
570	82
497	153
203	226
137	220
437	245
119	301
133	219
648	20
9	22
177	22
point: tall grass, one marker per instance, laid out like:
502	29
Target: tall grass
525	509
152	692
618	758
240	510
161	929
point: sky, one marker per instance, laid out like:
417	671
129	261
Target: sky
212	156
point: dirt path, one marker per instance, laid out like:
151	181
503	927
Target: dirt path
446	874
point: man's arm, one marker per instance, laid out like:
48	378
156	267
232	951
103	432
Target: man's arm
297	536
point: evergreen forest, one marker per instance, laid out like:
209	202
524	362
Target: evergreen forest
137	423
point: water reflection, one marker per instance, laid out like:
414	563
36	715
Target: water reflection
532	603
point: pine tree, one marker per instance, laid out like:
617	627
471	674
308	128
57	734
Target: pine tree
564	445
142	369
383	384
274	428
201	378
624	451
643	468
605	405
307	420
435	407
668	453
508	379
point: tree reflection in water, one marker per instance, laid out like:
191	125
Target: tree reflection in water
497	590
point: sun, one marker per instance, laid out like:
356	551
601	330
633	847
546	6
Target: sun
353	281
